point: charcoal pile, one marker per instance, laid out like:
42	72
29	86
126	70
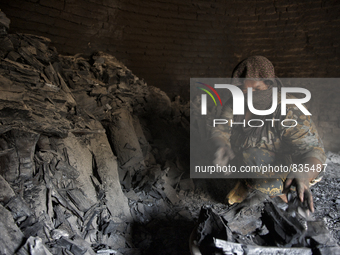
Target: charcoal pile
262	225
87	151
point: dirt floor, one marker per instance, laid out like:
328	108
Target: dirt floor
171	235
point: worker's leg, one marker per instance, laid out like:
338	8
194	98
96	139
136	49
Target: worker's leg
270	179
268	182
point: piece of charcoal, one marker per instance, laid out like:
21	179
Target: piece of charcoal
20	160
280	228
247	220
59	233
11	236
125	178
130	251
25	142
210	225
40	43
124	139
30	58
83	244
236	248
108	252
140	208
6	151
71	245
132	195
52	75
171	194
68	94
158	102
187	184
9	163
155	194
91	222
4	21
19	207
91	236
34	246
20	73
5	46
79	199
107	172
32	230
14	56
173	174
318	231
322	250
6	192
60	217
115	241
68	170
111	227
64	202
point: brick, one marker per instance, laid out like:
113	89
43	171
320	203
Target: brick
280	9
264	4
24	5
56	4
248	18
167	7
46	10
269	17
270	10
289	15
68	25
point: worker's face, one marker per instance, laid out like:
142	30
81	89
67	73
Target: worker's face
255	85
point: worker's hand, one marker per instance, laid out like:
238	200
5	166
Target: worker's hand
301	183
301	180
223	155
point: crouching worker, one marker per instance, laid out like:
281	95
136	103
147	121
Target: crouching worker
294	150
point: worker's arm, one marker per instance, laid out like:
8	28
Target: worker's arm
306	148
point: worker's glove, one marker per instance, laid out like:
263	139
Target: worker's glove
301	183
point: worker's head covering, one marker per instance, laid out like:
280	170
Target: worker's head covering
256	68
261	69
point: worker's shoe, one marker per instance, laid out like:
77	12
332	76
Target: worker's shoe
237	194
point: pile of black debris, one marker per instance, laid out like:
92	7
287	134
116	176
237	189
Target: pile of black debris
87	151
262	225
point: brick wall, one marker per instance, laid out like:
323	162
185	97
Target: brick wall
168	41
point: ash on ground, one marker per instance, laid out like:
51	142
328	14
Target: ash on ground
326	194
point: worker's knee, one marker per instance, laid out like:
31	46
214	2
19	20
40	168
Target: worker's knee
270	187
